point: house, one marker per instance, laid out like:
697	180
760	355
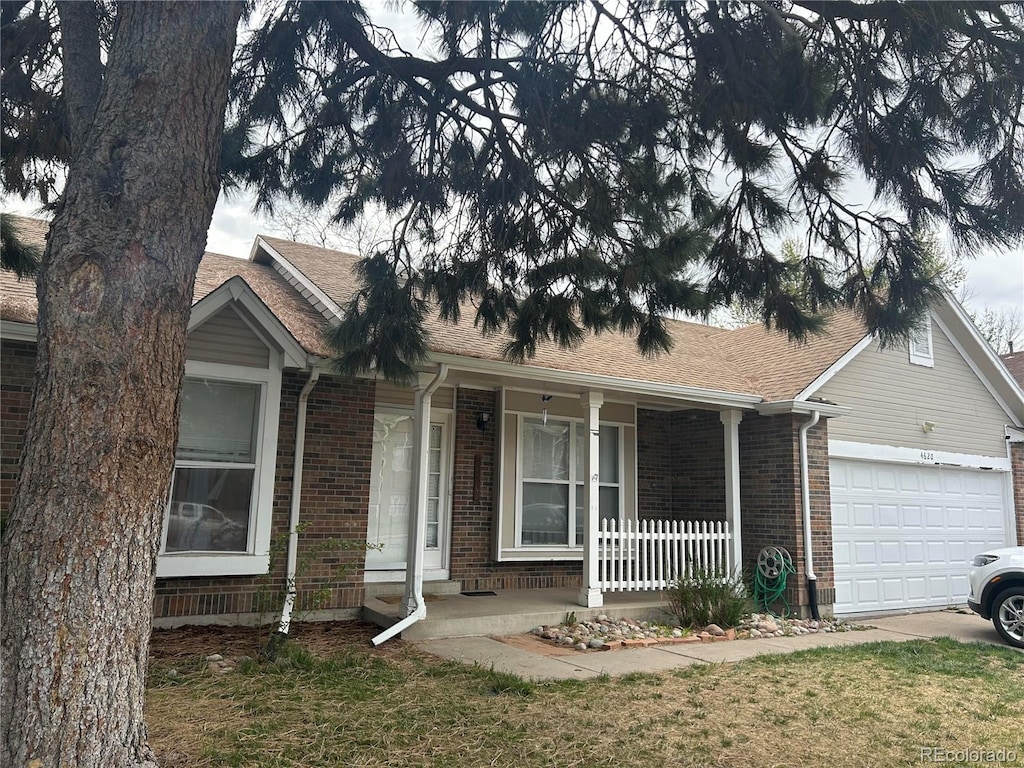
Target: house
1014	362
881	471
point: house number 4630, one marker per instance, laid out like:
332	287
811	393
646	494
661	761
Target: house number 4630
927	456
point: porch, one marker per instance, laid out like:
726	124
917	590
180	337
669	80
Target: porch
452	613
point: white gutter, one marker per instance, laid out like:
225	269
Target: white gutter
414	559
597	381
805	503
293	521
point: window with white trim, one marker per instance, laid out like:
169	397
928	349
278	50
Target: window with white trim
920	345
211	505
220	503
552	472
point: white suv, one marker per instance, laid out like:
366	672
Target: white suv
997	591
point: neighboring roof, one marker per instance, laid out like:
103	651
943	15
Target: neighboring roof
18	297
1014	363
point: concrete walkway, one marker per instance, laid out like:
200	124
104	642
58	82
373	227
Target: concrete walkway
503	657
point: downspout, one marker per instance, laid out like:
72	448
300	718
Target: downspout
417	570
293	520
805	503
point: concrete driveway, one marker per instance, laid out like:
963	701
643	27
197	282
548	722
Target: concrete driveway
538	664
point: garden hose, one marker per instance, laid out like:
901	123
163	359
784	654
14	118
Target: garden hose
773	567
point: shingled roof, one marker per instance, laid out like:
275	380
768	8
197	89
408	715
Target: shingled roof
749	360
18	297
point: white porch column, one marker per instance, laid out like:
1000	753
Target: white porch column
590	594
731	421
412	599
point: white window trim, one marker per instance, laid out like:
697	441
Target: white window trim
574	550
257	559
917	355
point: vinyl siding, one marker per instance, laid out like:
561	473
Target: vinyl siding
891	398
392	394
226	338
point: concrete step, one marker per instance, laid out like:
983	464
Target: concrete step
395	588
506	613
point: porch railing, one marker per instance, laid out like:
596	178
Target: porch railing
650	554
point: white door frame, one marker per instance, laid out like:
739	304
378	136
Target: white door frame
438	570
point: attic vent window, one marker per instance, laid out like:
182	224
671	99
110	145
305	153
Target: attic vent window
921	345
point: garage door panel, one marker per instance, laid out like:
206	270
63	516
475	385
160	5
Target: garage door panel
903	536
863	515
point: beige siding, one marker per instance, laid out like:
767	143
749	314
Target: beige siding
226	338
392	394
891	399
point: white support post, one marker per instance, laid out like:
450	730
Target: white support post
590	592
731	421
412	599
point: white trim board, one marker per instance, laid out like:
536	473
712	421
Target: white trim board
824	377
12	331
844	449
300	278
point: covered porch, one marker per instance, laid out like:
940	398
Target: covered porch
516	525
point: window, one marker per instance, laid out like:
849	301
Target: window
553	472
220	503
921	345
214	476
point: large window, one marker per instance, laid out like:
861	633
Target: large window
553	472
212	495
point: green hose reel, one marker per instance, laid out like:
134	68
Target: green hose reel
773	567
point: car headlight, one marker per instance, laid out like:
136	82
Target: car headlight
980	560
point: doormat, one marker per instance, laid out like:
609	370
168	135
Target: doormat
479	593
396	599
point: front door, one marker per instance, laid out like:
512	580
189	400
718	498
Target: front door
391	492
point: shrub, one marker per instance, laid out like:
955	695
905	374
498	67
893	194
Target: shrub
708	597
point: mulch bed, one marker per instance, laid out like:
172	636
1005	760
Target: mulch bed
321	638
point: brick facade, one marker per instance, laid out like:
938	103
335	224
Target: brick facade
1017	463
681	476
335	496
680	465
17	364
770	497
474	508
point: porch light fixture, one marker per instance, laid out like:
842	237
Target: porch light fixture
481	421
928	426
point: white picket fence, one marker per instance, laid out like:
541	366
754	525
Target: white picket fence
650	554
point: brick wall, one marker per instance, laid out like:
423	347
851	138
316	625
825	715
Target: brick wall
655	464
1017	463
680	465
17	364
335	495
770	497
698	480
474	509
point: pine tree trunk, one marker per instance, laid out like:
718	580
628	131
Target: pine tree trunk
114	299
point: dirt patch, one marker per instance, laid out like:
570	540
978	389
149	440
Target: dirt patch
321	638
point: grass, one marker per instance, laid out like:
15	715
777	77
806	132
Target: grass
866	705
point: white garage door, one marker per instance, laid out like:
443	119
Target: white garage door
903	534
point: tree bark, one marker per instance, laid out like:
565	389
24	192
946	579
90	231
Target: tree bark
115	293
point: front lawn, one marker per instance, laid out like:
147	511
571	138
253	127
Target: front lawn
341	704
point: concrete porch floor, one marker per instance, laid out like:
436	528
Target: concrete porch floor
509	612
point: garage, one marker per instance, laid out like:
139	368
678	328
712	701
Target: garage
903	533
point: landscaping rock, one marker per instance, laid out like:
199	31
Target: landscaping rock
715	630
214	657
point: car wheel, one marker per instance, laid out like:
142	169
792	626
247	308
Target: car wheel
1008	615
